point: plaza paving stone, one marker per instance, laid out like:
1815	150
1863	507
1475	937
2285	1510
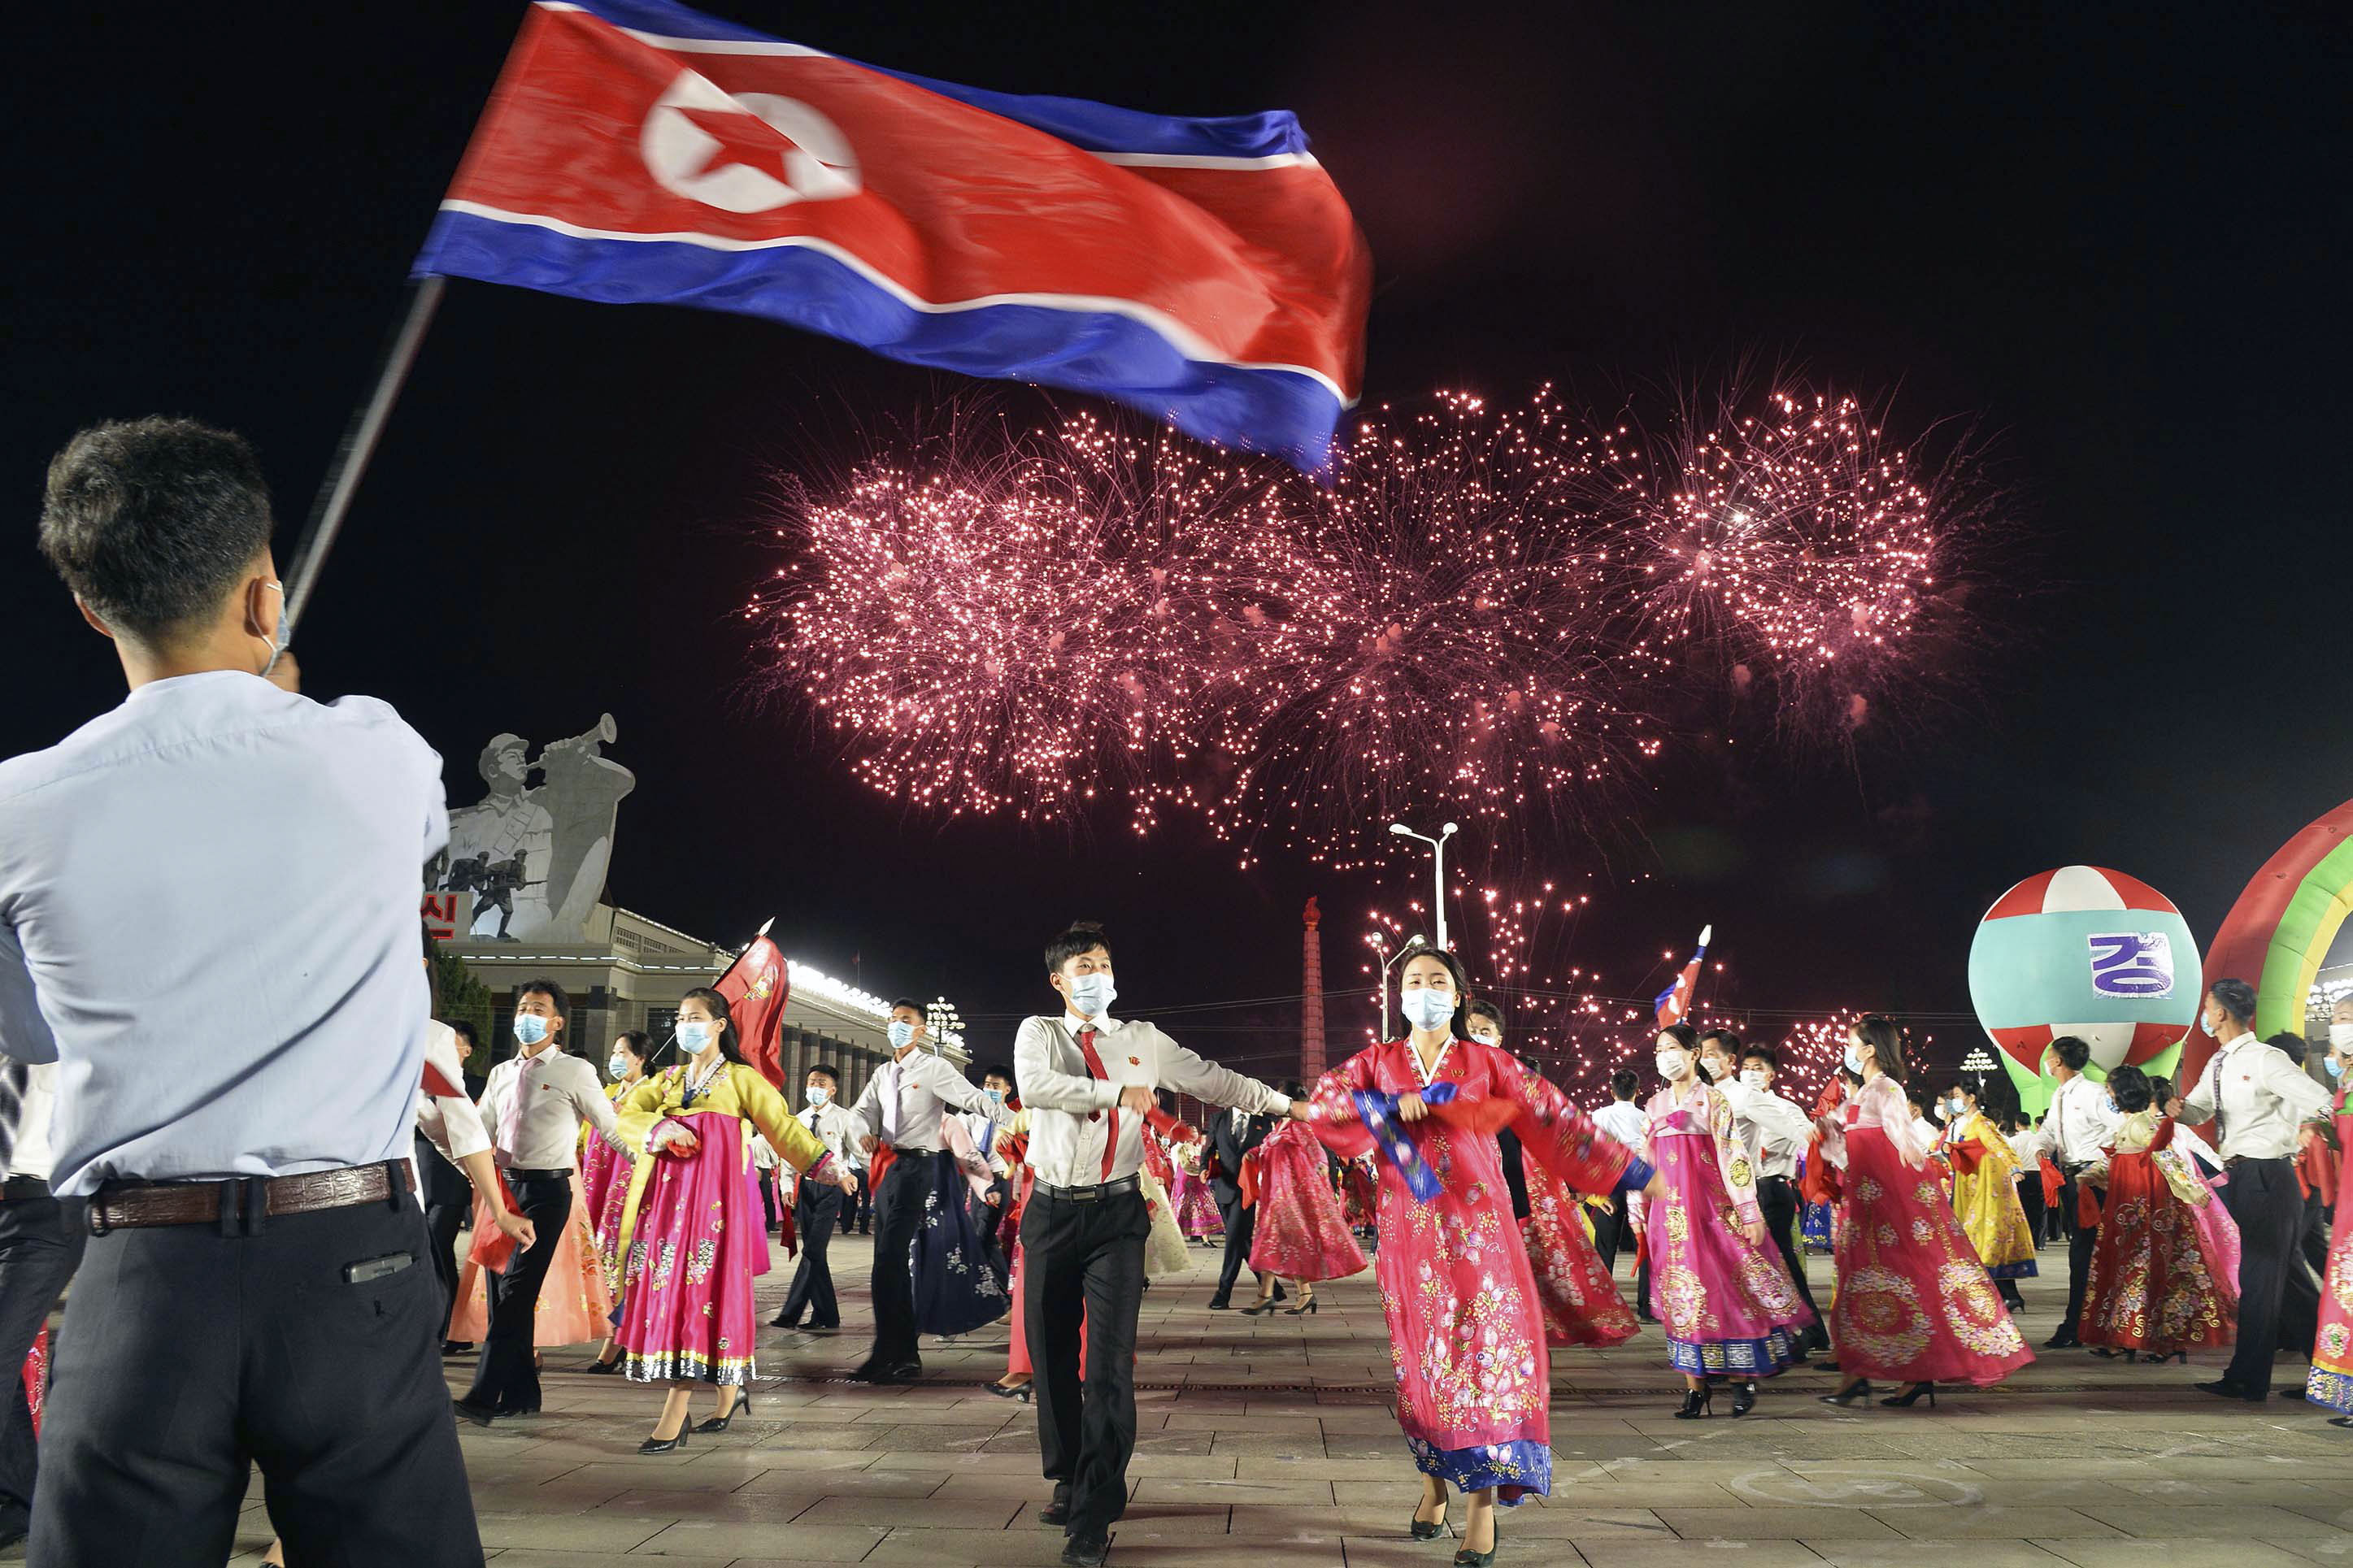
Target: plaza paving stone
1269	1441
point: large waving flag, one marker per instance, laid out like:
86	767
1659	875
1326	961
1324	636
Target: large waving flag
1675	1003
1206	271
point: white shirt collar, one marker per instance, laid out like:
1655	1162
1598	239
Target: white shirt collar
1105	1025
2236	1040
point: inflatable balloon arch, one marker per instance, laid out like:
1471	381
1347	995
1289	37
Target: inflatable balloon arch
2114	958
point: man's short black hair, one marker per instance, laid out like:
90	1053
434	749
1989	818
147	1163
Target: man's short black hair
910	1004
2071	1052
1623	1083
1761	1053
465	1031
2238	998
996	1069
2288	1043
1731	1041
1083	936
150	522
832	1076
557	998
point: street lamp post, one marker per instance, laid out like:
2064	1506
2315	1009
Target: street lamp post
1438	866
1980	1063
1412	944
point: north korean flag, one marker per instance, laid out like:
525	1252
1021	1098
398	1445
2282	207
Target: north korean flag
1206	271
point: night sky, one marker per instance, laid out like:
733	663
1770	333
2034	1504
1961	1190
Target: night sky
2114	236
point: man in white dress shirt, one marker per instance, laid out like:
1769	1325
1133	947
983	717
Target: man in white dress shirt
901	1110
2263	1100
235	1095
1088	1080
1783	1133
1626	1121
532	1105
818	1208
2078	1127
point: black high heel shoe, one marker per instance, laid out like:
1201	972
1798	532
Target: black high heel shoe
1466	1558
1744	1399
601	1366
1855	1393
1695	1401
1309	1305
720	1422
663	1444
1261	1309
1019	1391
1429	1530
1911	1396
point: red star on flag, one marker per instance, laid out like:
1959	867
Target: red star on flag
744	138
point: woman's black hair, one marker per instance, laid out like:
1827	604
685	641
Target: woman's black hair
1885	1039
730	1046
1292	1088
2161	1091
2130	1087
636	1042
1460	1025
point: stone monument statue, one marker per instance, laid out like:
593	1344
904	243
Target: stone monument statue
534	858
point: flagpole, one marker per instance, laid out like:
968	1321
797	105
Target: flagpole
335	497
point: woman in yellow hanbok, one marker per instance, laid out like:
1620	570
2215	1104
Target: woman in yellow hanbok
1985	1193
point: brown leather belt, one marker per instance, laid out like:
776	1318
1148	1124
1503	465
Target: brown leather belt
239	1207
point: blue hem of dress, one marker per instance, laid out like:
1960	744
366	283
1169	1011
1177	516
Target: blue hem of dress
1522	1464
2011	1270
1767	1357
2329	1390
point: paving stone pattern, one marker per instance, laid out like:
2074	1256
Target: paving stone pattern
1269	1441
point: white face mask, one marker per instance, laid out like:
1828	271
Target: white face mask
1487	1037
1853	1059
902	1034
1673	1065
2341	1036
1427	1008
1091	994
617	1066
817	1094
1756	1078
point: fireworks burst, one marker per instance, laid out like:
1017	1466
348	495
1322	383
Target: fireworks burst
1494	611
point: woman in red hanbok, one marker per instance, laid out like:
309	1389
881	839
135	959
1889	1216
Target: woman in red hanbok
1914	1302
1301	1233
2156	1285
1466	1336
2329	1383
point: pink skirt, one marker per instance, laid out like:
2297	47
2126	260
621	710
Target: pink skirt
686	1306
1579	1302
1301	1233
575	1303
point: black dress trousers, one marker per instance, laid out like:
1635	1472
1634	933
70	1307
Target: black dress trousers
1085	1259
306	1344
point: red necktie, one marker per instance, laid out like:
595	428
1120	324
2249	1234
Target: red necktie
1096	1067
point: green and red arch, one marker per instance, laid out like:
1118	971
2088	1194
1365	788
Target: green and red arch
2276	935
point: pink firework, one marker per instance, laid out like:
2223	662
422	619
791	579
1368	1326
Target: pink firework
1501	613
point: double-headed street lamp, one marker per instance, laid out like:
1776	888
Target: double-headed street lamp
1438	846
1413	944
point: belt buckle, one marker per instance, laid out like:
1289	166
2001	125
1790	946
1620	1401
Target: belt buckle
1083	1194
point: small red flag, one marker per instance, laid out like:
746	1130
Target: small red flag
756	988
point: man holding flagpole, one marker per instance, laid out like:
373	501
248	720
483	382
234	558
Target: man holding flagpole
236	1096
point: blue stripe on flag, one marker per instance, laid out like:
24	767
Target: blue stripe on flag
1097	127
1282	411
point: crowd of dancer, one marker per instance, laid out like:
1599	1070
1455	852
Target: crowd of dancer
268	1124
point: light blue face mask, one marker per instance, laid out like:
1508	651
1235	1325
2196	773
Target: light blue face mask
1855	1059
1091	994
1427	1008
616	1066
693	1037
902	1034
2336	1069
530	1028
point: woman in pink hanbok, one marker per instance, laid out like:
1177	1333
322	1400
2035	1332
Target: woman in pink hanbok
604	1177
2329	1383
1914	1302
1188	1192
2204	1167
1466	1336
1302	1235
1717	1282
